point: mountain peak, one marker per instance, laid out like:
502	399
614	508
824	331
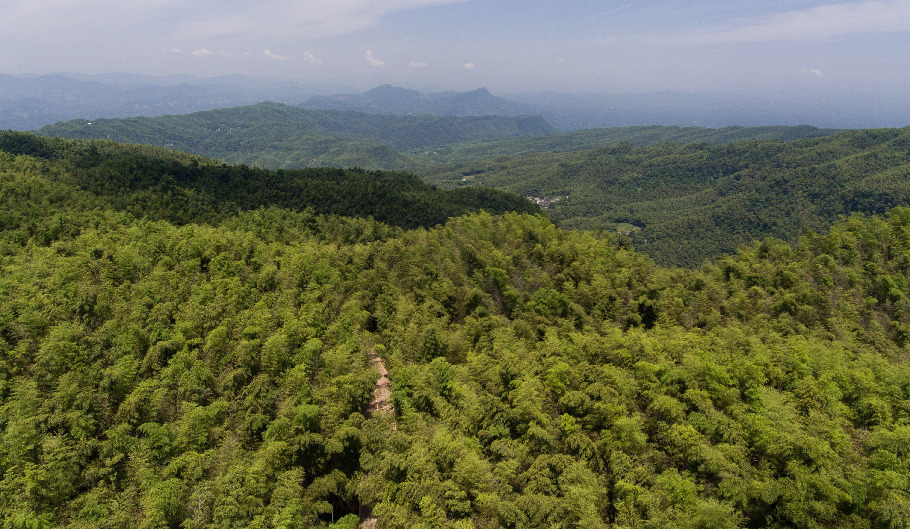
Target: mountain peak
389	99
391	89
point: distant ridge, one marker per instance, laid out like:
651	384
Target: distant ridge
286	137
30	102
568	111
276	136
388	99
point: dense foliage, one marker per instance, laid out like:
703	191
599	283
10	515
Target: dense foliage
683	204
155	183
215	373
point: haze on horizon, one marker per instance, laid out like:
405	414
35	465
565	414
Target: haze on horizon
801	49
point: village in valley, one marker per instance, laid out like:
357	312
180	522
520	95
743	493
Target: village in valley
545	202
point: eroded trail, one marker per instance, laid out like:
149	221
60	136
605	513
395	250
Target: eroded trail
380	403
382	393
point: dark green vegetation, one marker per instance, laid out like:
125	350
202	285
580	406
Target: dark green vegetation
685	203
276	136
214	373
159	184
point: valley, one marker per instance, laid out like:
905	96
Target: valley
694	193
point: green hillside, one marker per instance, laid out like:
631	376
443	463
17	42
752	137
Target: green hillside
275	136
682	204
160	184
169	362
598	138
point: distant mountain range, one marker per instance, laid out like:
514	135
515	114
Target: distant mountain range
566	112
569	112
387	99
31	102
28	103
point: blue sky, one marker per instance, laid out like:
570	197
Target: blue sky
802	48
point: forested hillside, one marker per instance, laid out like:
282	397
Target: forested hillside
682	204
683	194
276	136
466	152
209	368
161	184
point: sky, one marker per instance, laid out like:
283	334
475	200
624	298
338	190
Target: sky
804	48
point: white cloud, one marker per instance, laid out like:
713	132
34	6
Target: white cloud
814	71
469	66
309	57
373	60
416	64
202	52
272	55
825	21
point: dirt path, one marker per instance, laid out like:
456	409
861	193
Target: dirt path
382	393
380	403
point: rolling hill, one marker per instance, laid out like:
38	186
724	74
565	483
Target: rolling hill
460	153
682	204
162	184
273	135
